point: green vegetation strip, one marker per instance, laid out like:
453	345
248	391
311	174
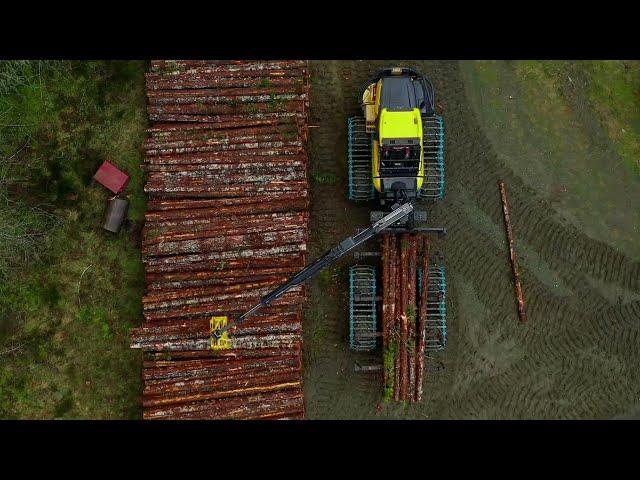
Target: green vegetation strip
69	291
389	362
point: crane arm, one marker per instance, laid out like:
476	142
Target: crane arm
321	263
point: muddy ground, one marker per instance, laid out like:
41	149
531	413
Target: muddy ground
577	358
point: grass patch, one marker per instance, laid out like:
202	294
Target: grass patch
411	313
389	362
324	178
252	108
612	89
275	102
329	278
69	291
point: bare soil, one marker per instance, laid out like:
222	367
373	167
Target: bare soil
577	358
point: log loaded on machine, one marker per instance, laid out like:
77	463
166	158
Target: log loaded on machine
395	155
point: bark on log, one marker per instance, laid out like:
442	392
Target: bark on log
226	222
404	366
512	254
422	321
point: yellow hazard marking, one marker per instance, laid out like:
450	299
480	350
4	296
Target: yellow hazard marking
224	343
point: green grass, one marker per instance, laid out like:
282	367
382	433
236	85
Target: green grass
612	89
388	361
324	178
69	291
411	313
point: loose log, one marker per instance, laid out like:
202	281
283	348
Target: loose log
411	316
512	254
238	407
397	320
404	358
385	291
422	319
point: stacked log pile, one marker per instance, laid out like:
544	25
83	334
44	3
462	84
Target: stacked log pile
227	222
404	315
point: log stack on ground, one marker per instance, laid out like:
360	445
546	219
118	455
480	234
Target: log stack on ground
227	221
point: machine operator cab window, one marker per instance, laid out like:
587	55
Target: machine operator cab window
404	93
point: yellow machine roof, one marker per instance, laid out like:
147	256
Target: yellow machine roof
400	124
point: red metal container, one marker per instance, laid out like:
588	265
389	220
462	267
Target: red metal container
111	177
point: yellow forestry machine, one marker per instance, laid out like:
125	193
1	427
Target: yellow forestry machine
395	153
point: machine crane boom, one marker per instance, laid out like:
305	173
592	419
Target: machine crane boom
348	244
